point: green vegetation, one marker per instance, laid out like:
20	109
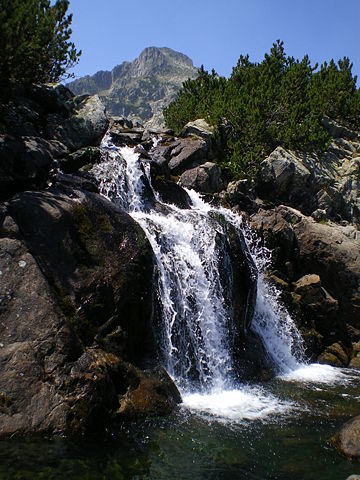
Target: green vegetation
34	41
280	101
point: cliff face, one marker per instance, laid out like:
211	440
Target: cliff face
140	89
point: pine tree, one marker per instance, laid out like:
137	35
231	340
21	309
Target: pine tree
34	41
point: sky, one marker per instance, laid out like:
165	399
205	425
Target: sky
213	32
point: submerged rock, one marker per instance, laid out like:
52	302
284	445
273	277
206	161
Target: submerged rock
347	439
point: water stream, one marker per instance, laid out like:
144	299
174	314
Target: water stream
225	429
195	305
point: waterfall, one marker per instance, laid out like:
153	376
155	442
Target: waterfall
191	267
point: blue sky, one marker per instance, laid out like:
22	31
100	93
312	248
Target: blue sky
214	32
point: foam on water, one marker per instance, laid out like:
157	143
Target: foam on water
317	373
249	403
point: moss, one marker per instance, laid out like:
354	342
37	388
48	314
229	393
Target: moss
104	223
87	233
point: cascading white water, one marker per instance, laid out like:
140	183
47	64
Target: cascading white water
195	315
194	339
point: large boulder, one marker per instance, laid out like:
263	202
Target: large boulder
94	256
203	179
41	125
189	153
150	393
85	126
75	296
282	176
199	128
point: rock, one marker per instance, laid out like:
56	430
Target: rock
204	179
86	125
335	355
188	154
316	303
329	251
153	394
347	439
283	176
75	293
76	160
199	128
168	190
325	186
339	131
94	262
25	162
241	194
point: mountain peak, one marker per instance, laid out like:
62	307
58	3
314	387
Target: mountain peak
142	88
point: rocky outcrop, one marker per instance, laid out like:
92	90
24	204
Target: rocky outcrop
76	276
141	89
76	296
320	270
325	186
41	125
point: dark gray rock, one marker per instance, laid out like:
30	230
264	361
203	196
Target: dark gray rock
75	293
25	162
190	153
76	160
169	191
85	126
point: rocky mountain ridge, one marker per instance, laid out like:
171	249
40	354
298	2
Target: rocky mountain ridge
141	89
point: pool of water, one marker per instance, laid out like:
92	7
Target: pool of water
276	430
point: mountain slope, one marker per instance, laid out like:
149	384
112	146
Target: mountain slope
142	88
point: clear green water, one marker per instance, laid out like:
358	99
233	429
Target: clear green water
188	445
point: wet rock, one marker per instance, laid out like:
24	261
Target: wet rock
347	439
152	393
76	160
203	179
169	191
335	355
72	299
98	262
329	251
316	302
